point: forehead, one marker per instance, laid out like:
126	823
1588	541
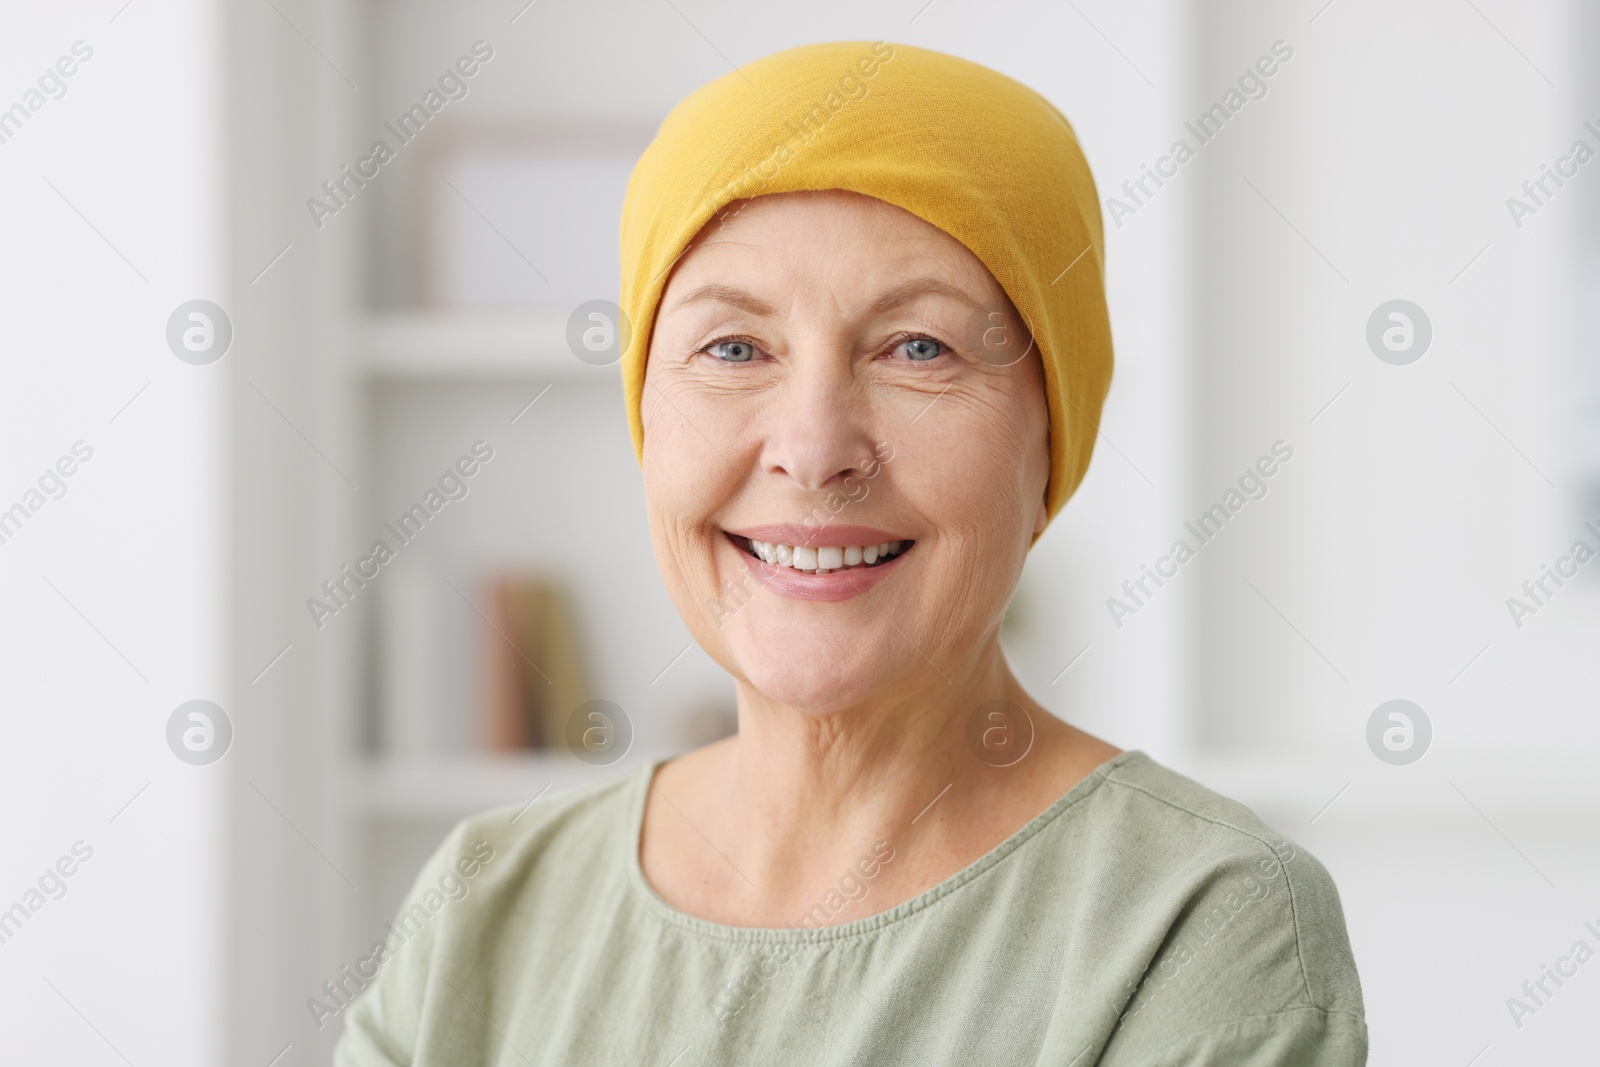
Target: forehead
828	239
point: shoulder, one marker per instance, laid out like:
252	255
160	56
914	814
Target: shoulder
475	895
523	834
535	851
1243	927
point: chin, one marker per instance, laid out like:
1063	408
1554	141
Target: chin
819	672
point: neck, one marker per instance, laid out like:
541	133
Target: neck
805	783
802	806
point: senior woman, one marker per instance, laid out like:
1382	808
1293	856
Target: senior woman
871	345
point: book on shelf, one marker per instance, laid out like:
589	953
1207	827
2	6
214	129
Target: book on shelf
535	667
449	681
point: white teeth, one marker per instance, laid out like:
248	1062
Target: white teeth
824	559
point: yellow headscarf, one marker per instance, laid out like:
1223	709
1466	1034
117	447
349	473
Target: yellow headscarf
980	156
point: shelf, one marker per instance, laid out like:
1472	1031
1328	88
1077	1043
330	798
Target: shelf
1436	787
450	787
471	344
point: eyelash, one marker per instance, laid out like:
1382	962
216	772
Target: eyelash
894	343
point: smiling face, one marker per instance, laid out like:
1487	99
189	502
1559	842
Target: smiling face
845	449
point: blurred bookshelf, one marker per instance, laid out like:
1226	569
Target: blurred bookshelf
470	344
441	716
450	787
527	589
435	733
530	592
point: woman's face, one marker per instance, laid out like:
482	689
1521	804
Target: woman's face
829	373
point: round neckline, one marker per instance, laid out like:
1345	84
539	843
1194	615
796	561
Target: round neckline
658	904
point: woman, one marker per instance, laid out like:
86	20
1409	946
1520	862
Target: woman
870	350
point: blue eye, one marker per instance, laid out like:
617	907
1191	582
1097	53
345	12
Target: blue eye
732	351
921	349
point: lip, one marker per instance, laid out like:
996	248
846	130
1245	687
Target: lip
839	585
829	536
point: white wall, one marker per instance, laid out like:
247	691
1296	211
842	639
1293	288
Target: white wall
1407	517
112	606
1416	503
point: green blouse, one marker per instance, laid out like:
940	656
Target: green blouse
1140	919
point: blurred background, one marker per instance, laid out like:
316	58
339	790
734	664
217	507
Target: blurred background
242	345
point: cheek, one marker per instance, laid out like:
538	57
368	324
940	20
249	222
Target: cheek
977	475
675	437
692	420
682	542
980	460
687	482
679	492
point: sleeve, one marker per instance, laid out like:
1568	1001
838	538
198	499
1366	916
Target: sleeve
382	1022
1298	1037
1255	969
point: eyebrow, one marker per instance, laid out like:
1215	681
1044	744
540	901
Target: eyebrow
919	287
900	295
727	294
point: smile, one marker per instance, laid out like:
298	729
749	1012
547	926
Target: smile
829	563
824	559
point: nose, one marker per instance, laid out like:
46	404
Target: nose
819	427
